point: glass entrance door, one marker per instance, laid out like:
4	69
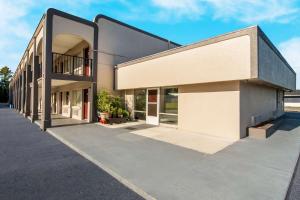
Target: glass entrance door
152	106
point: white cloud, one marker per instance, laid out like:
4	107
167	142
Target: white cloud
247	11
174	10
291	51
17	29
180	7
254	11
17	25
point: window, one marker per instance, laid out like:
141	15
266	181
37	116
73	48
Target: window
66	99
76	99
168	106
140	104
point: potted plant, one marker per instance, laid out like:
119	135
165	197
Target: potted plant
103	105
110	108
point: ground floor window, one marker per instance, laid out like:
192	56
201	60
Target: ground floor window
76	99
168	106
140	104
66	98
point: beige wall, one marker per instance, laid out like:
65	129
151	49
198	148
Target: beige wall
66	26
259	103
78	49
118	44
223	109
71	86
129	101
273	69
39	37
222	61
227	109
211	109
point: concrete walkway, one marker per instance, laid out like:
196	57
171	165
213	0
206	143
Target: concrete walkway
187	139
248	169
58	120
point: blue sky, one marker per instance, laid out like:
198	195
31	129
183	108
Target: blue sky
182	21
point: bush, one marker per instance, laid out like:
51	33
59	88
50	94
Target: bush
103	101
110	104
125	114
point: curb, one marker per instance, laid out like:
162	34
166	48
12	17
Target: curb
121	179
288	192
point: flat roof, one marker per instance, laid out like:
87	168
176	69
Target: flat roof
215	39
205	42
99	16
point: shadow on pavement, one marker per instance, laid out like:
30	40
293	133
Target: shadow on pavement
291	121
3	105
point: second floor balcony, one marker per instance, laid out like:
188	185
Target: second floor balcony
71	65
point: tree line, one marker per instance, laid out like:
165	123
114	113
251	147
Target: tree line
5	76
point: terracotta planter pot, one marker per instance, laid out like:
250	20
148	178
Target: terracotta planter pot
103	117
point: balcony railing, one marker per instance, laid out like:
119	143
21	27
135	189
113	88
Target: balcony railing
72	65
39	73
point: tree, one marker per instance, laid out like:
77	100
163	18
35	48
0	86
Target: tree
5	76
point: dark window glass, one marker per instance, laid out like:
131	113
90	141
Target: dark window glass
168	119
168	106
67	98
152	110
152	96
169	100
140	100
140	115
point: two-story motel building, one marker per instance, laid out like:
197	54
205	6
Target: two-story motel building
220	86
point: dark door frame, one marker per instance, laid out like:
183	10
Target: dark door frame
85	104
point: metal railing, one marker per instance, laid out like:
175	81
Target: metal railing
39	73
72	65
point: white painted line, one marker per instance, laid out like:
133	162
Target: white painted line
36	122
121	179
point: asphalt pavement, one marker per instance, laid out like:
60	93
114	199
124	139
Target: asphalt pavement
34	165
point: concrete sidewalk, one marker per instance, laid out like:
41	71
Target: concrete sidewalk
248	169
187	139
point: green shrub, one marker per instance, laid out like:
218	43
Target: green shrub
114	111
125	114
103	101
120	112
110	104
115	102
